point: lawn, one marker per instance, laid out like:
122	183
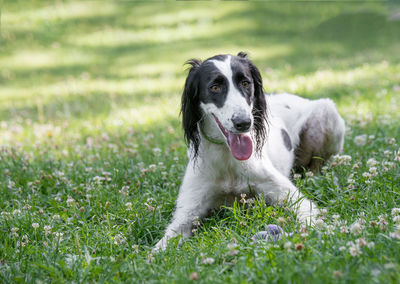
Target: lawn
92	151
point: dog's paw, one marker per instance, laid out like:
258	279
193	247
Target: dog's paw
161	245
308	213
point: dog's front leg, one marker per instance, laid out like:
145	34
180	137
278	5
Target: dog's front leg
277	187
195	200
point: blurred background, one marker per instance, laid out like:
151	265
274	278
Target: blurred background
74	68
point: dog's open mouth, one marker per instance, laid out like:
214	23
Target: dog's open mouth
240	144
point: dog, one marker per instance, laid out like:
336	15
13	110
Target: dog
243	141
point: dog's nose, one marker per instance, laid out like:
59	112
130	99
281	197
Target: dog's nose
241	123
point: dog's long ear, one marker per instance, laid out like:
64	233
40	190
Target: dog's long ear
259	106
190	108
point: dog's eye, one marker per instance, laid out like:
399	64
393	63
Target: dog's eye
215	88
245	84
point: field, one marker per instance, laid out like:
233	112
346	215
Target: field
92	152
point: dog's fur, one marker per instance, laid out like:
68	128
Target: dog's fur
224	102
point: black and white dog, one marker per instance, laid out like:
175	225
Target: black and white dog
244	141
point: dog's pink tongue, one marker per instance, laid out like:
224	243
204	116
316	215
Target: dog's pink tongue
241	146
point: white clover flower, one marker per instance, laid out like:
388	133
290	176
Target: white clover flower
27	207
135	248
59	236
323	211
35	225
296	176
387	153
389	165
371	162
361	242
360	140
98	179
250	201
355	250
356	228
25	240
47	230
396	211
342	248
14	231
243	198
367	175
208	260
124	190
373	171
119	239
196	221
16	212
128	206
287	246
382	222
344	230
70	201
371	245
309	174
336	218
105	173
396	233
11	184
342	159
330	230
4	213
320	223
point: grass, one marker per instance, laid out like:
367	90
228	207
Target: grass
92	152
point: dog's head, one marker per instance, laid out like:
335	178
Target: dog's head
228	89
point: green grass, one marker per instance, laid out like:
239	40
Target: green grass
89	103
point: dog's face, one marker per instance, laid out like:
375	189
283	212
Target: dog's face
229	90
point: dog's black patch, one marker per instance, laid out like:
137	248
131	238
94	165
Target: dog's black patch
286	139
286	106
241	73
210	75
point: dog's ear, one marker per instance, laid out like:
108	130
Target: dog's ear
259	108
242	54
190	108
